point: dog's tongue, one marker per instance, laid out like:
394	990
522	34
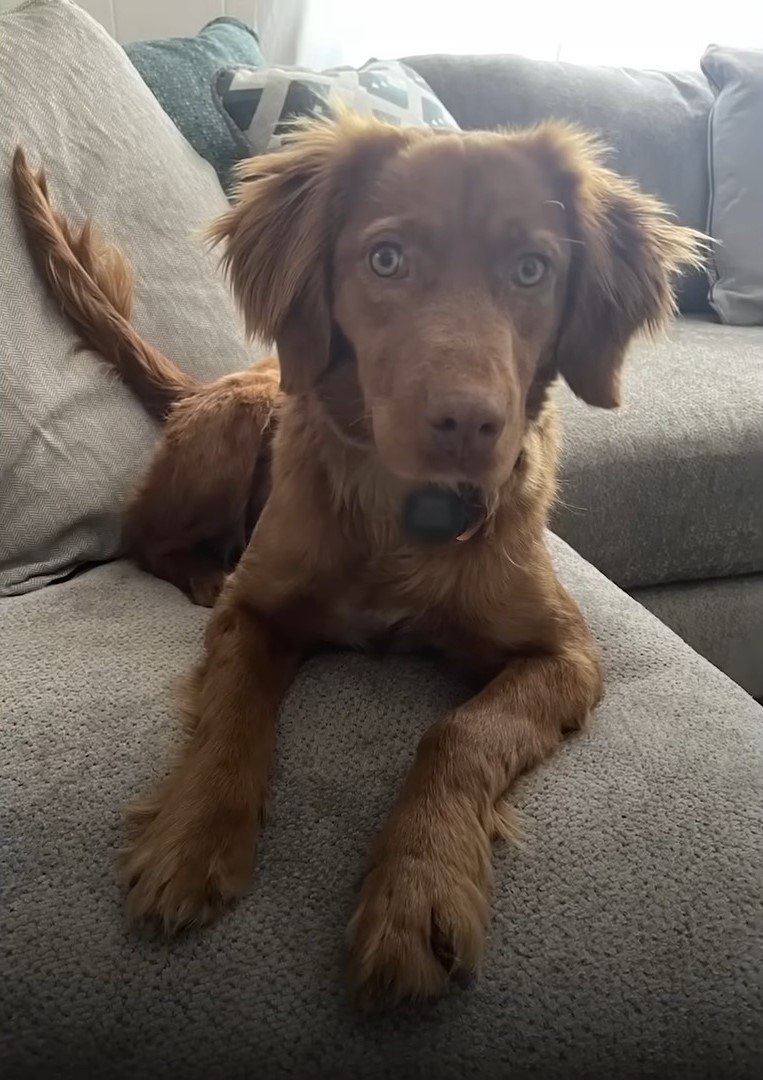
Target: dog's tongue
438	515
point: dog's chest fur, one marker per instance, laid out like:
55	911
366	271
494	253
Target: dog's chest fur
356	619
400	599
407	615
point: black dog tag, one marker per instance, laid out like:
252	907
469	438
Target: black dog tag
438	515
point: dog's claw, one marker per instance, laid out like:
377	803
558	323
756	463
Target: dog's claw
177	872
419	924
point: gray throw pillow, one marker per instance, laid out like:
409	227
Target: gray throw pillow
260	105
72	439
736	177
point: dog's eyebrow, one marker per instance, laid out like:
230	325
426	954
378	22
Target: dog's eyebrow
563	239
517	233
396	224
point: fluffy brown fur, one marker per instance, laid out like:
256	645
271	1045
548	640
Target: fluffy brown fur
435	372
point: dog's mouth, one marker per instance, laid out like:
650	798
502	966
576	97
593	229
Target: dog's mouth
440	515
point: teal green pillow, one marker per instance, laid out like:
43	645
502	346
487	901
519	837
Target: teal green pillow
180	71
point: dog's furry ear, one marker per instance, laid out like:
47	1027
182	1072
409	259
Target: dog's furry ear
280	233
626	256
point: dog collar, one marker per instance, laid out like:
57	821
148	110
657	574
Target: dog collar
440	515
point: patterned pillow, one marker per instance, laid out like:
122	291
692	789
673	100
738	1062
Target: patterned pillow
178	72
261	104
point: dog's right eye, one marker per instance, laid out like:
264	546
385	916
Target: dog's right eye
386	260
530	270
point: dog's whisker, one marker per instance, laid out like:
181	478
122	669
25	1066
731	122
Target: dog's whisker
364	417
513	562
570	506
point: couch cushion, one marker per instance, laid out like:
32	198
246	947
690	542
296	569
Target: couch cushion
73	439
736	180
655	121
623	940
180	72
721	618
669	488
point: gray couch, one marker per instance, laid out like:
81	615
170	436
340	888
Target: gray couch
625	934
665	497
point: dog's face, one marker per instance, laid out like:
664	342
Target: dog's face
429	286
449	281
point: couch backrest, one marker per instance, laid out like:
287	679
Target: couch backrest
655	122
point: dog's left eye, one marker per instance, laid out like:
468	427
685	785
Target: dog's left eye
386	260
530	270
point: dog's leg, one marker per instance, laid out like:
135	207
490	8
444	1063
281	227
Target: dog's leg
193	496
200	574
191	508
192	843
423	907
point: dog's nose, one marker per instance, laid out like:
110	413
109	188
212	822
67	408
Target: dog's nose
465	428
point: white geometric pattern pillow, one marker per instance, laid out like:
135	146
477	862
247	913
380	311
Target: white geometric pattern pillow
261	104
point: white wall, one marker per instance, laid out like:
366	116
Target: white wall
323	33
131	20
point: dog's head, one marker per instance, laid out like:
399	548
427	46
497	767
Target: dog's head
429	286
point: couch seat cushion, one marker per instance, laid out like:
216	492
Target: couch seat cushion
623	940
669	487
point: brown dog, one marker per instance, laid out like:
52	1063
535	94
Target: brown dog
424	291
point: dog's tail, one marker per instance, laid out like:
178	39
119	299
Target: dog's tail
93	282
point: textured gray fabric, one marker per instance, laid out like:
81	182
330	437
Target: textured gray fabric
654	121
71	438
624	939
736	181
179	72
720	618
668	487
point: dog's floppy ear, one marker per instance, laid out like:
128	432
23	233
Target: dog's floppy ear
626	255
280	233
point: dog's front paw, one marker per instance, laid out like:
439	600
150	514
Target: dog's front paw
182	866
421	918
